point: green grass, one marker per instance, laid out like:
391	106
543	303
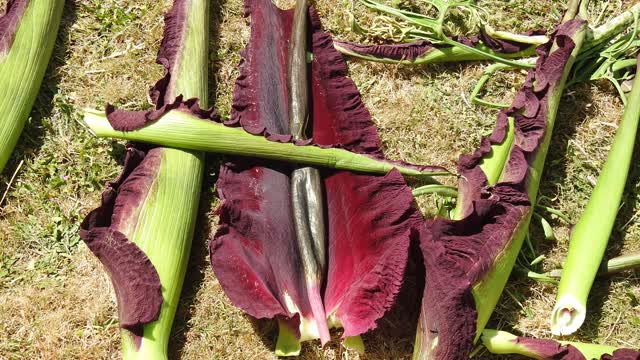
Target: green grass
55	300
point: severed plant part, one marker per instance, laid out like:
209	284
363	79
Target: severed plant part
426	40
143	230
307	196
502	342
612	266
28	33
262	253
184	128
609	53
468	260
423	40
591	233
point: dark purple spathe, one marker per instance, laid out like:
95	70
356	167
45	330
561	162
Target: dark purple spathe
135	279
369	218
414	50
9	23
459	253
548	349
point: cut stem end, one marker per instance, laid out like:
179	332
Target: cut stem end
567	316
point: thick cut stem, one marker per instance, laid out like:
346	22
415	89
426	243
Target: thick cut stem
165	229
590	235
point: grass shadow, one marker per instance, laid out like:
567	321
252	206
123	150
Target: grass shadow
32	137
198	261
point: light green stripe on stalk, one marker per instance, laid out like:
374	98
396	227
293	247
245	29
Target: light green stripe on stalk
487	292
590	235
492	165
502	342
22	69
167	220
182	130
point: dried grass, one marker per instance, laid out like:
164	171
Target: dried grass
56	302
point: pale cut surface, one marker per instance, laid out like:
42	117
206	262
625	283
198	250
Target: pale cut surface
55	300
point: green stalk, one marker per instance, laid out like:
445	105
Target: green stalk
167	220
590	235
487	292
448	54
502	342
22	69
611	28
443	190
459	52
182	130
621	263
487	75
613	266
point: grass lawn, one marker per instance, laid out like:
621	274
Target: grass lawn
56	301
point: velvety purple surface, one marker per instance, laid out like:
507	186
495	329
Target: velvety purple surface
459	253
414	50
369	218
553	350
623	354
134	278
9	23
